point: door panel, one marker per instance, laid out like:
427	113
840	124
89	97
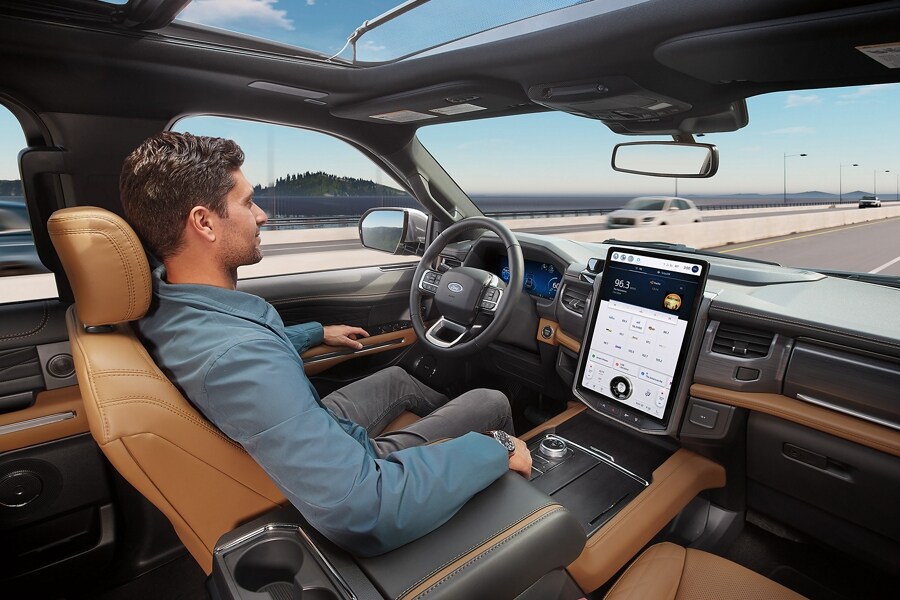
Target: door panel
66	520
55	414
374	298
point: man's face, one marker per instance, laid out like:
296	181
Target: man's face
240	233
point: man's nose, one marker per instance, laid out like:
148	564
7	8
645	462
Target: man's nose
261	216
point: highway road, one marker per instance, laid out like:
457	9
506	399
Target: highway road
872	247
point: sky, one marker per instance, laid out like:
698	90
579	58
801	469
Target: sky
555	153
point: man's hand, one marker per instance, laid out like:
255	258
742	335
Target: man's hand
344	335
520	461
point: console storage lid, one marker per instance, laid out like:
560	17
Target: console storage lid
500	543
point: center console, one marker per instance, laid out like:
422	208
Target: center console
599	489
479	553
593	469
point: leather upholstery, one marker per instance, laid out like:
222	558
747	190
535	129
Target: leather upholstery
669	572
496	546
203	482
104	262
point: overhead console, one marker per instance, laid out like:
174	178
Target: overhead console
641	337
453	101
627	108
608	99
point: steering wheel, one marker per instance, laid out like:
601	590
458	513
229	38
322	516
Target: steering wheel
474	304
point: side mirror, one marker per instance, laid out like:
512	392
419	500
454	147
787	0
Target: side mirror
394	230
666	159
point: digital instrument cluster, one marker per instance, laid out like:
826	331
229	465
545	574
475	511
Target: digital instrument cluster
541	279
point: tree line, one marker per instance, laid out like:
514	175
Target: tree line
320	183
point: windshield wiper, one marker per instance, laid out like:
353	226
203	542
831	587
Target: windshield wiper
686	250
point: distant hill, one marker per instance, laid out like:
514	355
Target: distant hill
325	184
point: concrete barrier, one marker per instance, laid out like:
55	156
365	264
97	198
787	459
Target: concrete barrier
770	222
712	234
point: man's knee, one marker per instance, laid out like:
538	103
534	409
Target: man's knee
499	399
493	403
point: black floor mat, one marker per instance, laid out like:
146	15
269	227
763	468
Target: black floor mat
181	579
812	569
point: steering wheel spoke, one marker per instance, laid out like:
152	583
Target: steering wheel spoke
429	282
490	299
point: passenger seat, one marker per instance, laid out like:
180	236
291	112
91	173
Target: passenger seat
670	572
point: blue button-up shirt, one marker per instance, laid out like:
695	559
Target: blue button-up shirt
232	357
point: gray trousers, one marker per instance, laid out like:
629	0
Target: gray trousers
377	400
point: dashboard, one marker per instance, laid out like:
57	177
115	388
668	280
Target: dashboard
756	327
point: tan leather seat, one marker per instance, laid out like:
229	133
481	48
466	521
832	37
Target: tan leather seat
669	572
201	480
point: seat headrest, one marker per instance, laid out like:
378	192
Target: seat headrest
105	263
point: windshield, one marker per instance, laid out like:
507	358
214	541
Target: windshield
805	157
645	204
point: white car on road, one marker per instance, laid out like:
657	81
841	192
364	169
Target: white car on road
654	210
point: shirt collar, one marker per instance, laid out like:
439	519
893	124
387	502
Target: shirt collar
242	304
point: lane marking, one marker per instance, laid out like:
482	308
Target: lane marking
800	237
885	265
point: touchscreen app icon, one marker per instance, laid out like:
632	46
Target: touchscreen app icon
672	301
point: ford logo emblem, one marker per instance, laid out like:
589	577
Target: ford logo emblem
454	287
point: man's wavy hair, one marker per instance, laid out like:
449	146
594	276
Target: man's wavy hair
168	175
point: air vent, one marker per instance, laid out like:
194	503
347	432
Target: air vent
741	341
575	299
448	262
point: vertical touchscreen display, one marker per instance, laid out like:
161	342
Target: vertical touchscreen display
637	340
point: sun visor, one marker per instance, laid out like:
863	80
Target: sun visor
825	48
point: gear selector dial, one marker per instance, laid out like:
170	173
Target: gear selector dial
552	447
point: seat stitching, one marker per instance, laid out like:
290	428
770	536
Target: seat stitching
481	555
481	543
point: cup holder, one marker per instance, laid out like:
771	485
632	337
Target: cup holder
273	563
315	594
269	562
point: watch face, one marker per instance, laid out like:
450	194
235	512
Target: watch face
505	440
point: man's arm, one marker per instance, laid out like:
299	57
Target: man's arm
259	396
306	335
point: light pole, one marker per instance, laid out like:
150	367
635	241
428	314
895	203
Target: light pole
875	181
784	176
841	181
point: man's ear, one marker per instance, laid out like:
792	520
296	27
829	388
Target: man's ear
200	222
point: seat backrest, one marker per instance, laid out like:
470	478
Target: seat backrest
203	482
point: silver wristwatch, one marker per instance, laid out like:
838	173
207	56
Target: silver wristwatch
505	440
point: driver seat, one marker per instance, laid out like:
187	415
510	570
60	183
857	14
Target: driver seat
201	480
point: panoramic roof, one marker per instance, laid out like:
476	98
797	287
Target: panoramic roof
378	31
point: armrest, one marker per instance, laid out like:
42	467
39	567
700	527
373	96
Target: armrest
501	543
498	542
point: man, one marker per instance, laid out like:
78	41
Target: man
234	359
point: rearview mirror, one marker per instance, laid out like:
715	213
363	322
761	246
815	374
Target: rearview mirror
393	230
666	159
